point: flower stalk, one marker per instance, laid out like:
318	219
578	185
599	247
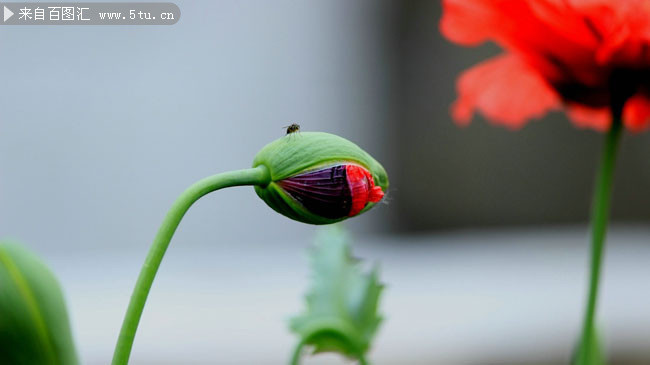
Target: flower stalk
599	219
254	176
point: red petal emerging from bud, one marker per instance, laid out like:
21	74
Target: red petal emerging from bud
362	188
335	191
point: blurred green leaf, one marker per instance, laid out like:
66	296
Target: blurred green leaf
341	314
34	325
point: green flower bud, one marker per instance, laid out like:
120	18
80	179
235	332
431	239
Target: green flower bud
319	178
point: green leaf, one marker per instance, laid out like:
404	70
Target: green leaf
34	325
341	314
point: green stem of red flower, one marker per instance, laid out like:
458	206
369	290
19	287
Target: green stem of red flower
587	353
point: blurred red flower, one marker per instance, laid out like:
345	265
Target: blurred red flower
586	56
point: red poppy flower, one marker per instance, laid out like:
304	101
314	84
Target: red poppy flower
586	56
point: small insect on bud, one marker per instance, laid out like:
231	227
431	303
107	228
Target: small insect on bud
293	128
320	178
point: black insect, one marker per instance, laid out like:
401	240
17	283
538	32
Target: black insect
293	128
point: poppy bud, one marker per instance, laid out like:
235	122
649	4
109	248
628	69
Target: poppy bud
319	178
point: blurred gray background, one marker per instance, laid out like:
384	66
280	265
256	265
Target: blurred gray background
102	127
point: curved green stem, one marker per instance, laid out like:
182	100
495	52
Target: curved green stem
254	176
599	218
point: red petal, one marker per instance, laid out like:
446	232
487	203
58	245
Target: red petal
468	22
593	118
376	194
505	90
359	189
636	113
583	22
626	33
547	34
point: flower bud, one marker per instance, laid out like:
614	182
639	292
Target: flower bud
319	178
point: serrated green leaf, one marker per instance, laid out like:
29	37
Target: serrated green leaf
342	303
34	325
